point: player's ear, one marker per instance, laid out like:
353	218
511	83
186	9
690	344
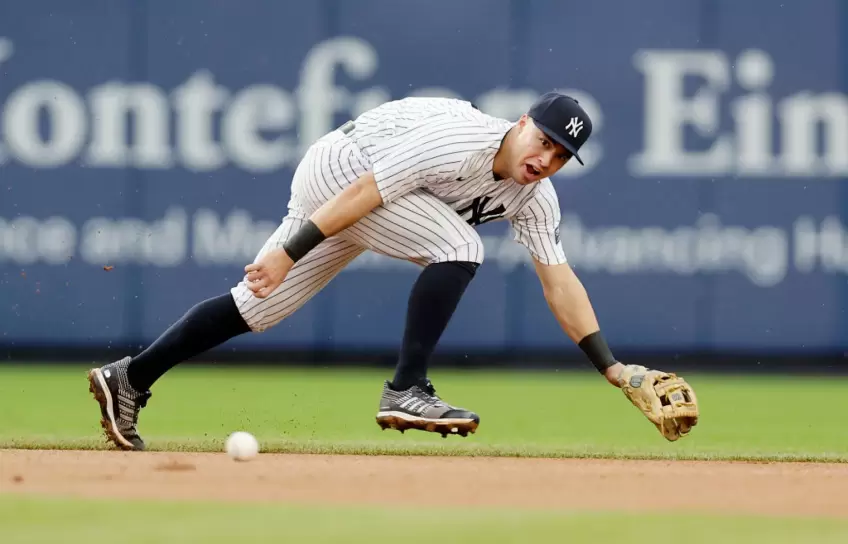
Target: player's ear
522	123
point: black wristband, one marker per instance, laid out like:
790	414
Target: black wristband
595	347
303	241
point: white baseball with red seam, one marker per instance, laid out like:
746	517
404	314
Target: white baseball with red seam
242	446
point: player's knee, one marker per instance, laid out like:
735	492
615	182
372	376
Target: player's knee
468	253
259	314
472	251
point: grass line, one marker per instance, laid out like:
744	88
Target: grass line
319	447
314	411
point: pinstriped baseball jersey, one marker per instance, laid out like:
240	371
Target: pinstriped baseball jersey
432	160
447	148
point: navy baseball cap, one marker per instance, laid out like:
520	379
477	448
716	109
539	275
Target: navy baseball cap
563	120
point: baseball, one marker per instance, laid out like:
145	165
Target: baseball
242	446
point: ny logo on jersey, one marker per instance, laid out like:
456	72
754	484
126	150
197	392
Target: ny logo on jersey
574	127
479	215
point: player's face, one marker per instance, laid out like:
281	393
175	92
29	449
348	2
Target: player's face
536	156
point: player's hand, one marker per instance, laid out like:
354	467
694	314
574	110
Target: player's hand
268	273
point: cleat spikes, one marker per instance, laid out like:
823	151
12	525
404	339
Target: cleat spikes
456	428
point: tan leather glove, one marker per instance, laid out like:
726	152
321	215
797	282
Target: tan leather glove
666	399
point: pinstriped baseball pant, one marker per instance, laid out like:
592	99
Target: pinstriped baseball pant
416	227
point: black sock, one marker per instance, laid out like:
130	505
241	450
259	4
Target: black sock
204	326
432	302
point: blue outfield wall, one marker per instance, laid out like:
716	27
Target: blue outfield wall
159	138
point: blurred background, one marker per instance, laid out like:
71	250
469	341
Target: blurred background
147	146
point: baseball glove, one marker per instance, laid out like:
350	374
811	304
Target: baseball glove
666	399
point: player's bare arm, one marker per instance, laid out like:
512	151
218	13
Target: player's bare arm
568	300
665	399
349	206
338	213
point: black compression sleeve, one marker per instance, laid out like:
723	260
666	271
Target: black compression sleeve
596	348
303	241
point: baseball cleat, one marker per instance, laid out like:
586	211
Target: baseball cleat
119	404
420	408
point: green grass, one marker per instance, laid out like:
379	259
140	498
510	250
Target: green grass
522	414
29	520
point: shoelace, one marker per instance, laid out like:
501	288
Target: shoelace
430	394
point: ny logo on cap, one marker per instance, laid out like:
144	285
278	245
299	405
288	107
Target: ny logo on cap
574	127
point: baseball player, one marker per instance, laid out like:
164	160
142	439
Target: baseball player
410	179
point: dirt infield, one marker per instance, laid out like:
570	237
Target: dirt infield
756	488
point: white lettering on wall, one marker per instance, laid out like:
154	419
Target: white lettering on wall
745	148
731	124
261	127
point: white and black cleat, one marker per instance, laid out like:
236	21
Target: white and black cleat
119	404
419	408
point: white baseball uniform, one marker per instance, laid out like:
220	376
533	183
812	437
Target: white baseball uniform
432	159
